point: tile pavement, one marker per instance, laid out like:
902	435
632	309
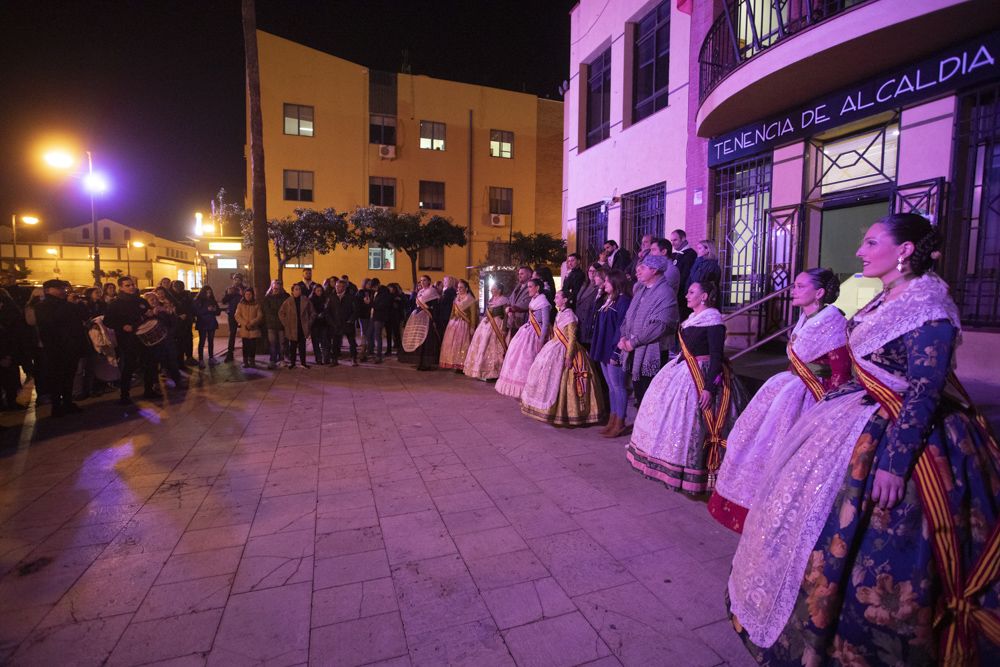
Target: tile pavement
346	516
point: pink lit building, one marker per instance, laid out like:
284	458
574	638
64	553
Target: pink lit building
781	129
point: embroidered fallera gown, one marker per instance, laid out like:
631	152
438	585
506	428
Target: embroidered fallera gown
458	334
818	349
524	347
671	440
486	351
821	574
559	395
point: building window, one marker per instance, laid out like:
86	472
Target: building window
501	143
973	227
85	233
591	232
599	98
298	185
431	259
742	198
106	232
652	62
381	191
381	259
432	195
299	120
855	161
382	129
643	212
432	135
501	201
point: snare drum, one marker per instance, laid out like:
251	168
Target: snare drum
151	332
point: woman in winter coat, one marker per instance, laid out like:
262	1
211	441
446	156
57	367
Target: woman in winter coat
250	318
297	315
206	314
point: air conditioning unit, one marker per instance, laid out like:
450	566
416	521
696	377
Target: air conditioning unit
387	152
499	220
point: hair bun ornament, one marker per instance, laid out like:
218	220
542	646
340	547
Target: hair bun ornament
936	255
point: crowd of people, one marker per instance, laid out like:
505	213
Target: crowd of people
864	483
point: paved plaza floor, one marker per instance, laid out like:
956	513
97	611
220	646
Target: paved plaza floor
346	516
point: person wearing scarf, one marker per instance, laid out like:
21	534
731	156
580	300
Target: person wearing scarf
647	333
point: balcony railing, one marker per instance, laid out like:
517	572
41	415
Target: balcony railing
747	27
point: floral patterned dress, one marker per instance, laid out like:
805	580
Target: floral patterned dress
824	576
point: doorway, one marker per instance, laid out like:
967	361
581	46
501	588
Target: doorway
841	231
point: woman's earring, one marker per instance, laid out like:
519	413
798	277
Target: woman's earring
899	264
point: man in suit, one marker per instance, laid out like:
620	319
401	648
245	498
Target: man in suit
574	280
617	258
683	256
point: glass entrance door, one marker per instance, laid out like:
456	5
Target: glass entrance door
840	236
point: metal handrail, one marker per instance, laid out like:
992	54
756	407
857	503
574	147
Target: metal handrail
762	342
756	304
744	28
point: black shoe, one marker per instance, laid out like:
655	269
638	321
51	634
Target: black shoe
58	411
229	359
72	409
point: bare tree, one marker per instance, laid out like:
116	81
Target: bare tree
261	254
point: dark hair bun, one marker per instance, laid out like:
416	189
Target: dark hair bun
916	229
826	280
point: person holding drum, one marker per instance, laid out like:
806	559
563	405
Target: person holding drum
126	313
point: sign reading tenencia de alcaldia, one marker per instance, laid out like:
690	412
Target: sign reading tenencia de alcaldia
954	68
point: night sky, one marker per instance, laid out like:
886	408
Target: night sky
156	90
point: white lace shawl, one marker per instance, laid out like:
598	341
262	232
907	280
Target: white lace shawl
706	318
814	336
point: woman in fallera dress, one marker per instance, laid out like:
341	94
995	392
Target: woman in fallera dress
489	343
562	388
874	539
526	343
690	406
817	352
461	324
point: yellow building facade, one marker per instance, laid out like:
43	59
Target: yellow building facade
339	135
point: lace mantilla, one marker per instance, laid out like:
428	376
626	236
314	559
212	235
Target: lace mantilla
823	332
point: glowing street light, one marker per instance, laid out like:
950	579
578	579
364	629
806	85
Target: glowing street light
25	219
59	159
93	184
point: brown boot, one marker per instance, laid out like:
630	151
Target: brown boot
615	427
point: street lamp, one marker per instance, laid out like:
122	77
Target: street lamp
128	254
93	184
26	219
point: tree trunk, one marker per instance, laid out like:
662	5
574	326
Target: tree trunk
261	252
413	266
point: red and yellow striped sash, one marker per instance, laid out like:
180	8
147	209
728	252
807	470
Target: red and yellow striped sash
960	614
496	330
809	379
534	323
715	420
581	371
459	313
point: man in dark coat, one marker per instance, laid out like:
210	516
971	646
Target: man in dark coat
64	340
683	256
382	312
340	316
588	302
442	310
575	279
184	303
617	258
125	314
